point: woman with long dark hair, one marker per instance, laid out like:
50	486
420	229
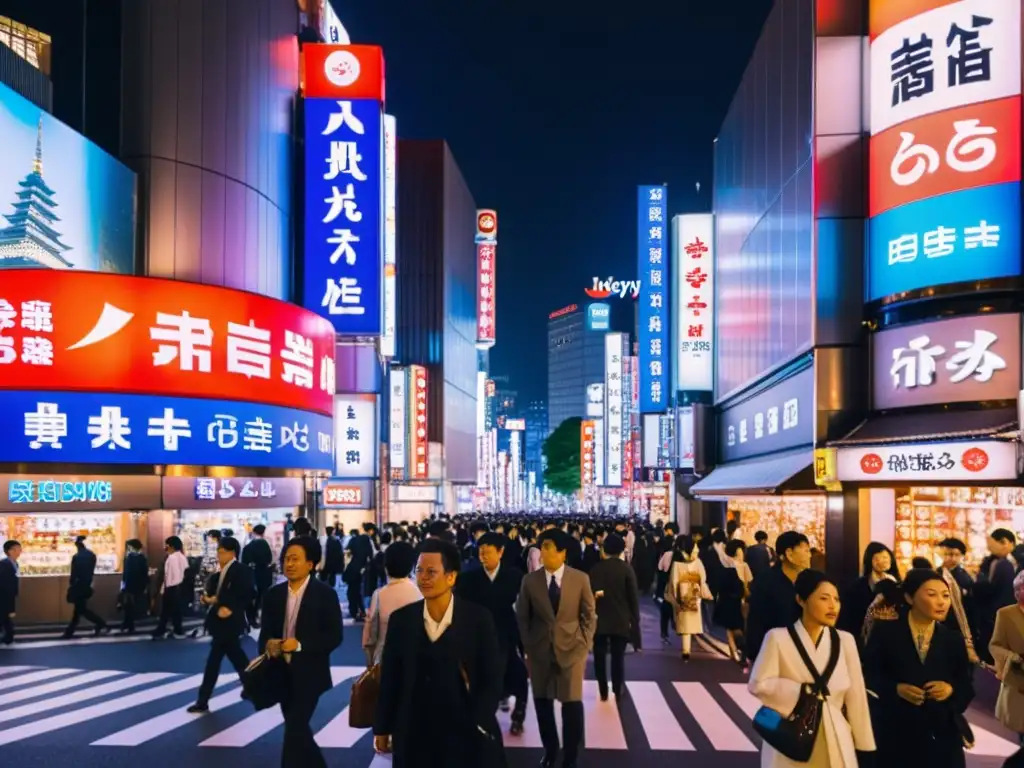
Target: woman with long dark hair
878	564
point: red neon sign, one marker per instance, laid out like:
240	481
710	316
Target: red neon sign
419	388
486	294
343	71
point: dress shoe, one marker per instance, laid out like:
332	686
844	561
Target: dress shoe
547	762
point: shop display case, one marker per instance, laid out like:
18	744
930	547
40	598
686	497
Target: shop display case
193	526
926	516
48	540
777	514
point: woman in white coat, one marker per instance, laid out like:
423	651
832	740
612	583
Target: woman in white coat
687	587
779	673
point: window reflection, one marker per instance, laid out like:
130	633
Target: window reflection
28	43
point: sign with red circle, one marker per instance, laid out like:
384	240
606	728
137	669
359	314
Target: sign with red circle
971	462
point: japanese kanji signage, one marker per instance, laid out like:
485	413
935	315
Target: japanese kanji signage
398	421
348	494
233	492
963	359
777	419
586	455
654	299
91	428
343	259
615	399
965	52
387	336
419	426
98	332
78	493
355	436
967	462
693	254
486	253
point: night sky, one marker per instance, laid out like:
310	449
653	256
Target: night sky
555	110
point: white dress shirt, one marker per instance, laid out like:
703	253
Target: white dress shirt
492	575
437	628
292	607
557	574
174	569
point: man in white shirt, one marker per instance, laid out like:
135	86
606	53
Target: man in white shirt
173	589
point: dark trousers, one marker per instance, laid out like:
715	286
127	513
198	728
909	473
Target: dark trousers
133	605
665	616
300	748
516	682
252	613
617	645
219	648
355	597
170	611
572	729
7	625
82	611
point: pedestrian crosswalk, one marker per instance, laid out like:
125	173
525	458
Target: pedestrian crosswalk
117	709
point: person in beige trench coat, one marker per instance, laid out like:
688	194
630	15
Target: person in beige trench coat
1007	648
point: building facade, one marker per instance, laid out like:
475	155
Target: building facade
437	295
575	361
536	432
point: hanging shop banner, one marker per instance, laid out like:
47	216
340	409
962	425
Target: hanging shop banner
343	259
965	52
959	360
586	454
486	316
398	422
348	494
653	318
486	226
962	148
387	336
693	253
78	493
355	436
777	419
614	402
233	492
419	427
80	428
100	332
600	453
962	237
971	463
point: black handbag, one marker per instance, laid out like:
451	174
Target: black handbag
793	736
258	684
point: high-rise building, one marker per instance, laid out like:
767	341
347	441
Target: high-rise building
575	359
536	432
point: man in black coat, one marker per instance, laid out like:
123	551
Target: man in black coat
440	675
760	556
83	567
773	596
301	628
334	558
260	560
229	593
134	585
495	586
618	614
360	550
9	588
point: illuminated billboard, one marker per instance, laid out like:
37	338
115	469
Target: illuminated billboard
614	403
486	275
693	254
654	297
599	317
387	336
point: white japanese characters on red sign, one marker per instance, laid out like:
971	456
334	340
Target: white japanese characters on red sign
587	454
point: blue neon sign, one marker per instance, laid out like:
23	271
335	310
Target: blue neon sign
60	492
653	256
599	317
85	428
343	261
959	237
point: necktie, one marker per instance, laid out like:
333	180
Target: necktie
554	593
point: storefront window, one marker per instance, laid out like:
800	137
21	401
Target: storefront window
926	516
777	514
30	44
48	540
193	526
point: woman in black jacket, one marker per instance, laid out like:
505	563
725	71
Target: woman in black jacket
918	671
878	564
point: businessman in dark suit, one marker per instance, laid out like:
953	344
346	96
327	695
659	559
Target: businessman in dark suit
301	627
618	614
9	588
260	560
229	593
495	586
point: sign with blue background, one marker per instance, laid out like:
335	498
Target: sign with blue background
599	317
959	237
652	269
75	427
343	260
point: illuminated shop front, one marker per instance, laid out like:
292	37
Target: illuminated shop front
347	504
776	514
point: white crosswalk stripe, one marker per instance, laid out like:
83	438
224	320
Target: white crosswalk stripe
673	717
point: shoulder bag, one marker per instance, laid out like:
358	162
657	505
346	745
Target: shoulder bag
362	705
793	736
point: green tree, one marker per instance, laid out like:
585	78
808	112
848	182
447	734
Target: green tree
562	451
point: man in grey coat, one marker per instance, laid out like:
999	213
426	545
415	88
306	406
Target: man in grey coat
557	620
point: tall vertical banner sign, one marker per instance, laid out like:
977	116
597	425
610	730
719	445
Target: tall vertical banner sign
652	269
614	400
945	152
586	457
342	262
486	272
387	337
599	453
398	427
419	422
693	252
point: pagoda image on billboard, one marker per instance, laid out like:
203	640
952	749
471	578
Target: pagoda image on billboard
29	239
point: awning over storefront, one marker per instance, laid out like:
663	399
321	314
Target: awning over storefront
753	476
928	427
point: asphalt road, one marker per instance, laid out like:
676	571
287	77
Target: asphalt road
121	702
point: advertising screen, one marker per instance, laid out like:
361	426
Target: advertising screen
693	255
113	333
355	436
67	204
83	427
654	297
342	263
599	317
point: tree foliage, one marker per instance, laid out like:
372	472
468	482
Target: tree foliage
562	451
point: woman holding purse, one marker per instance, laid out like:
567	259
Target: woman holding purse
822	673
1007	648
687	587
